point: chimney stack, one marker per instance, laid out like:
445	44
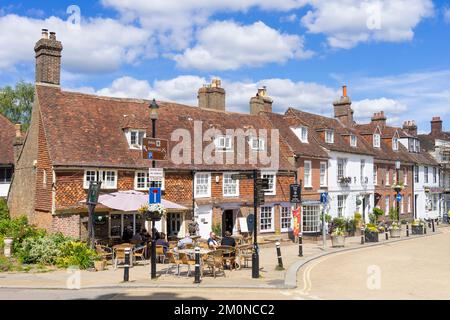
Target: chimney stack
48	59
379	118
343	109
410	126
18	142
261	102
436	126
212	96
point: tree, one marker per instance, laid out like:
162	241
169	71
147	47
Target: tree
16	103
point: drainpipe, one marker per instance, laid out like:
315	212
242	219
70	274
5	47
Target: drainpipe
193	194
414	191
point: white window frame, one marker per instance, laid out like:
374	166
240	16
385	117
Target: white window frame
206	175
426	175
387	204
224	143
377	140
435	175
138	132
148	183
272	220
311	218
307	174
416	174
409	203
342	205
343	162
99	173
301	133
284	218
388	177
226	176
395	142
6	169
323	174
362	170
375	174
329	136
405	177
353	141
273	191
261	144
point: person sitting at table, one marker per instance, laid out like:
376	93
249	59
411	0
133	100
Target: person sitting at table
162	242
183	242
212	241
228	240
127	234
145	236
136	239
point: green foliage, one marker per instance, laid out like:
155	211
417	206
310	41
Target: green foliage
350	225
42	250
357	217
338	232
371	227
4	212
16	103
19	229
339	223
393	214
5	264
76	254
395	226
327	218
217	229
378	212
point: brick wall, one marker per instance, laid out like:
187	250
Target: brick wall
310	193
68	224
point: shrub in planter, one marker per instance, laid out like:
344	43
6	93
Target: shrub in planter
395	230
417	227
76	254
338	238
371	233
350	226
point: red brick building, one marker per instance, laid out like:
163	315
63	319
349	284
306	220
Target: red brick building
76	138
7	135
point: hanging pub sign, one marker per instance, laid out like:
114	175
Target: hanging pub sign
295	193
93	192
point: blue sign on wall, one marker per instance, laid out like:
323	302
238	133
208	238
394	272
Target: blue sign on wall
399	197
154	195
324	197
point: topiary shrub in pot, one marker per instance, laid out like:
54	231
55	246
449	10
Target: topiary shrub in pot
371	233
338	238
417	227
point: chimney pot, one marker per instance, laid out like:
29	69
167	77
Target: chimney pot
344	91
53	35
436	126
44	33
18	127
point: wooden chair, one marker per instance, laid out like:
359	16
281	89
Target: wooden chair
186	261
189	246
139	253
172	244
104	251
174	261
243	255
160	253
215	261
203	245
229	255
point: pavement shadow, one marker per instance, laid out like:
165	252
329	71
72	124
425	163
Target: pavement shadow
149	296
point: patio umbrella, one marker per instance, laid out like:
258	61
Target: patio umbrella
131	201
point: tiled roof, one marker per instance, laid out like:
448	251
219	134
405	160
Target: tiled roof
341	144
284	123
88	130
7	135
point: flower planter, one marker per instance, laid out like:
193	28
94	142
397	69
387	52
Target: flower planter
417	230
371	236
7	249
338	241
100	265
395	233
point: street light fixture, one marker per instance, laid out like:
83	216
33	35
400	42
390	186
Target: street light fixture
153	116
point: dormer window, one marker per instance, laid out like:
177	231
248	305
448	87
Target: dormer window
353	141
135	138
223	143
376	140
395	143
329	136
301	133
257	144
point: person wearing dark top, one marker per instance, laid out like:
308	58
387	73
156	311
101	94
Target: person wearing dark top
162	242
228	240
127	234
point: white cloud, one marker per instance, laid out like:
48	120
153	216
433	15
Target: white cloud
364	109
100	45
349	22
447	14
228	46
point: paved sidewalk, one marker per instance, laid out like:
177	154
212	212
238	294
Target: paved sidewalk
139	275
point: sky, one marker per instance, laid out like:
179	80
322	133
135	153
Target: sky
392	54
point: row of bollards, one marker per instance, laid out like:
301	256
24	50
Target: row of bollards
300	246
280	260
362	235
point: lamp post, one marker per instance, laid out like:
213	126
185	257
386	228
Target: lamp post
92	200
255	254
153	116
398	189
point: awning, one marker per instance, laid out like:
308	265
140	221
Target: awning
129	201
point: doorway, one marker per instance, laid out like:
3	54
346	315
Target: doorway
416	200
227	221
174	222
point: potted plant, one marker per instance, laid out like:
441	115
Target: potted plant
371	233
338	238
395	230
99	263
417	227
153	212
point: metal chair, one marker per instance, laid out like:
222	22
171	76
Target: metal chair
139	253
160	253
174	261
215	261
186	261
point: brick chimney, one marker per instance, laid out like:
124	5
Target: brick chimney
212	96
410	126
379	118
436	126
343	109
261	102
18	142
48	58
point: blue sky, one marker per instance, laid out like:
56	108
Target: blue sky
393	54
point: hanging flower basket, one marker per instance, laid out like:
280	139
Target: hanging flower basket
398	187
153	212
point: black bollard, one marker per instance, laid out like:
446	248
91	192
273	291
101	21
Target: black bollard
280	260
432	225
407	229
362	235
300	245
126	270
386	233
197	265
424	229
